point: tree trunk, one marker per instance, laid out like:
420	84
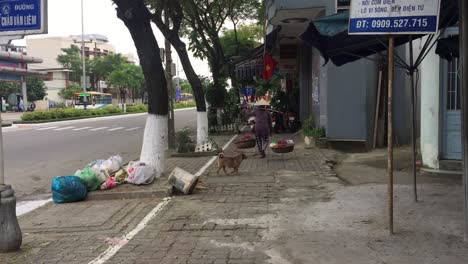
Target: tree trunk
137	19
197	87
236	38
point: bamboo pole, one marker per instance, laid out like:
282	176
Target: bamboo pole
391	51
413	117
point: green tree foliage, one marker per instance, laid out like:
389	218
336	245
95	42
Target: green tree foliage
71	59
186	87
7	88
102	67
36	89
204	22
248	37
127	76
98	68
69	93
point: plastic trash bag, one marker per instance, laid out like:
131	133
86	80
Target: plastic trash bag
102	175
68	189
139	173
121	176
95	163
89	179
109	184
108	166
116	163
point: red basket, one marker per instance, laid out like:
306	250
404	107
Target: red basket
283	149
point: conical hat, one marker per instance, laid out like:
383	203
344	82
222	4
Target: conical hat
262	102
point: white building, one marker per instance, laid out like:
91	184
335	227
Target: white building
49	48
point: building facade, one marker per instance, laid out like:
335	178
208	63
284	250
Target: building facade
441	105
49	48
341	99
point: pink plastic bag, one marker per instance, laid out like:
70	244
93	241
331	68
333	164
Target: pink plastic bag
109	184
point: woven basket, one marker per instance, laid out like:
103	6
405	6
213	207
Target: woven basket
245	144
283	150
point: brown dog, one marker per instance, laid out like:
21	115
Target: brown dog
232	161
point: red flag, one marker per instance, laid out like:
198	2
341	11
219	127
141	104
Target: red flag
270	65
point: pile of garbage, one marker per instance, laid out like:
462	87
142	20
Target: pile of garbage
100	175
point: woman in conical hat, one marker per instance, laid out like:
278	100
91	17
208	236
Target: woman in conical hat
262	126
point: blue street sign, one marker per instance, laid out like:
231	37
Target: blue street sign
394	16
23	16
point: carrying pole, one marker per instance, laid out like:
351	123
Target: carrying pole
391	51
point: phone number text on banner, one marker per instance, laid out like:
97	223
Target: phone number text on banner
394	16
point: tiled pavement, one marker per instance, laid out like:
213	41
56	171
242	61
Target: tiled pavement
234	219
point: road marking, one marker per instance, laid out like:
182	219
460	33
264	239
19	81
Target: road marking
82	128
131	129
46	128
64	128
28	206
112	250
117	128
99	128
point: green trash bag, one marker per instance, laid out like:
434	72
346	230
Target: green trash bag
89	179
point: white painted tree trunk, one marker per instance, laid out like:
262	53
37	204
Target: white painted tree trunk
202	127
155	142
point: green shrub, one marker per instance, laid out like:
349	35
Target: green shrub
69	113
184	104
318	133
308	126
185	142
138	108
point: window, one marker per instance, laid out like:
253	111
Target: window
49	77
102	99
82	99
453	86
343	4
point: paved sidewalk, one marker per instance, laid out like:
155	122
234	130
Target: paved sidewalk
11	116
285	209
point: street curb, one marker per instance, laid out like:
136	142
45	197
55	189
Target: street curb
162	191
79	120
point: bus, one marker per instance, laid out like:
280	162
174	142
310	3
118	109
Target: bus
92	100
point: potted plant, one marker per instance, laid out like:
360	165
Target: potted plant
319	134
307	129
314	137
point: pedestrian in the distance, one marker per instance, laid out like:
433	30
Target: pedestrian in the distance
21	105
262	126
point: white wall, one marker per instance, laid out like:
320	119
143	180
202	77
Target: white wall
55	86
430	110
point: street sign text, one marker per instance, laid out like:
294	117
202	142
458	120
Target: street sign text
394	16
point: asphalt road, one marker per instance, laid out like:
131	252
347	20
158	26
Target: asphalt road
34	155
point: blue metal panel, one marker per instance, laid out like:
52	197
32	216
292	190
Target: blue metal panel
452	147
452	134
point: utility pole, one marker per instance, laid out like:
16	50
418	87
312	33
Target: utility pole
170	90
83	83
24	92
463	11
